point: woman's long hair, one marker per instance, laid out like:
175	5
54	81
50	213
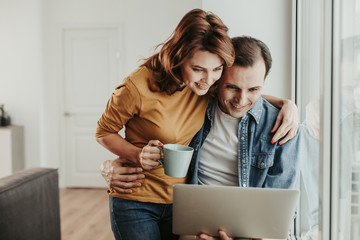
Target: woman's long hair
197	30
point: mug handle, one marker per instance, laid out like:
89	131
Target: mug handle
162	150
161	162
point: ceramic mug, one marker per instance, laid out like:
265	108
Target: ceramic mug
176	160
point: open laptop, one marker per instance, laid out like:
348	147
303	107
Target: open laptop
240	212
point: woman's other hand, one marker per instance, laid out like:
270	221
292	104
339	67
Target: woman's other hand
150	154
286	123
119	177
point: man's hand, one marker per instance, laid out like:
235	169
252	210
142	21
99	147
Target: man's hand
222	235
121	178
286	123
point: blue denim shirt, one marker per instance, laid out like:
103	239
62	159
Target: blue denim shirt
260	163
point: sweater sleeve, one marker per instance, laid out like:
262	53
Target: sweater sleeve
124	103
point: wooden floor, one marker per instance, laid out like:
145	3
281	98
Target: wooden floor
85	214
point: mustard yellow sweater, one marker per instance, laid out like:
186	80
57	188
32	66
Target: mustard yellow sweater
149	115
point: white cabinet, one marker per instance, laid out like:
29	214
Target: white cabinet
11	149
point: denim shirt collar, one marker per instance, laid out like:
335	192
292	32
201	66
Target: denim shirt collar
210	109
255	111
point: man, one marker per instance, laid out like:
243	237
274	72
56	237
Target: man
239	124
234	147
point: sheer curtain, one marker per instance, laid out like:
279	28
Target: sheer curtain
346	183
328	95
308	101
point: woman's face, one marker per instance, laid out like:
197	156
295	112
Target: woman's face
201	71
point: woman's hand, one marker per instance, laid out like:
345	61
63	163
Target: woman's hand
286	123
121	178
150	154
222	235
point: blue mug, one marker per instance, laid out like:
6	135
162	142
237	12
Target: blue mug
176	160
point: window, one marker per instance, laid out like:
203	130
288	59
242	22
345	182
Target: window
309	101
345	183
328	95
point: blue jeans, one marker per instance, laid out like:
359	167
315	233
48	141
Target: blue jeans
133	220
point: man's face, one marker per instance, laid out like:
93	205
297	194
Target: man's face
240	88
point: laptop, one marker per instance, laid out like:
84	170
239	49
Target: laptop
240	212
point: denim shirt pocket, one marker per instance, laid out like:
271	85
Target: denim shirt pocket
262	160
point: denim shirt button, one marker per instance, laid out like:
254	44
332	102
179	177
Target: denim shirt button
262	164
243	160
242	138
244	185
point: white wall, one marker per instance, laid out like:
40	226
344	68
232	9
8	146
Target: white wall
269	21
21	69
144	24
31	58
30	87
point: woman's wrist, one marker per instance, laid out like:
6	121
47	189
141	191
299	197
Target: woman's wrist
288	102
285	102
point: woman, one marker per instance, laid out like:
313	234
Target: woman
165	99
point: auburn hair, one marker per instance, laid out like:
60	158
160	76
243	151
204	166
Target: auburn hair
197	30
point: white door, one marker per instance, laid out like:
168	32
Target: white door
91	69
